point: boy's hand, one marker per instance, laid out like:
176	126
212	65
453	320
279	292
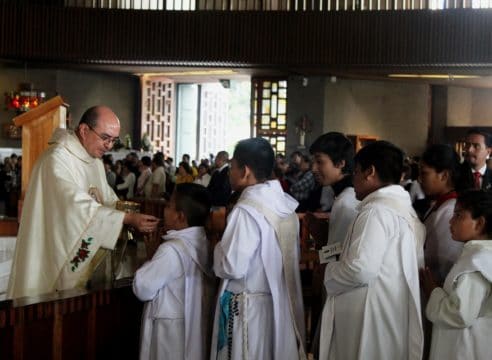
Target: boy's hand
427	281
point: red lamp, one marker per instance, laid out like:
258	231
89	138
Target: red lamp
25	98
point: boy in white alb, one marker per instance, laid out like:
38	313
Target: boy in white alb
333	165
178	282
461	311
373	306
259	313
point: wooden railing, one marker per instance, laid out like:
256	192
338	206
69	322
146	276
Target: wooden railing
72	325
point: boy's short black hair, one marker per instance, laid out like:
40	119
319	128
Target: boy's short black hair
158	159
194	201
257	154
146	160
205	166
386	158
478	203
338	147
479	131
107	161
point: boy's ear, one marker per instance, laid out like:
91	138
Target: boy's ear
480	225
340	165
247	172
370	172
182	217
444	175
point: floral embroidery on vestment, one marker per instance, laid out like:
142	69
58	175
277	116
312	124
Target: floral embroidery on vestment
82	253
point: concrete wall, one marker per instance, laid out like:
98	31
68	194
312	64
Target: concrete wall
305	98
80	89
393	111
469	107
85	89
481	107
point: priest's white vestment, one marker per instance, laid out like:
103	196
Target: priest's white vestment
441	251
461	311
373	306
179	287
62	225
260	303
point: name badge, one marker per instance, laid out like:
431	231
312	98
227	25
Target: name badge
328	253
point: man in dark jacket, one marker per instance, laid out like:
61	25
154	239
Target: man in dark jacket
478	145
220	186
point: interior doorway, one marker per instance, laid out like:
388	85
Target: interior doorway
211	117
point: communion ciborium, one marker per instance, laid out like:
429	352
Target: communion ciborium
122	263
112	265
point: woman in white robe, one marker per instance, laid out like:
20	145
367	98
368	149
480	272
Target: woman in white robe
441	178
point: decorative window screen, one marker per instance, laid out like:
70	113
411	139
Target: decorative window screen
158	113
270	111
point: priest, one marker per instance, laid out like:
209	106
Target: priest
69	210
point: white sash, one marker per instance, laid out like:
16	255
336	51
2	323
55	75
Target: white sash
286	230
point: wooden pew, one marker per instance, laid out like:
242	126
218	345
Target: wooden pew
314	235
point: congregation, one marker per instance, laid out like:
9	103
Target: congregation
10	181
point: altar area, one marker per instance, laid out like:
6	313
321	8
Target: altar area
98	322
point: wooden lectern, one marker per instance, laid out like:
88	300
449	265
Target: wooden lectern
37	126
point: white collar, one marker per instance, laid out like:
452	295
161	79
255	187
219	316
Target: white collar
481	170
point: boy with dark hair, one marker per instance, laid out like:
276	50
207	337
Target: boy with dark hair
333	166
373	290
259	312
177	283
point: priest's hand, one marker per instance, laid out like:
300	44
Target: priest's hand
142	222
427	281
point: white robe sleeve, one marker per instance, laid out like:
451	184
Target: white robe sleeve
362	255
240	241
461	307
127	182
164	267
